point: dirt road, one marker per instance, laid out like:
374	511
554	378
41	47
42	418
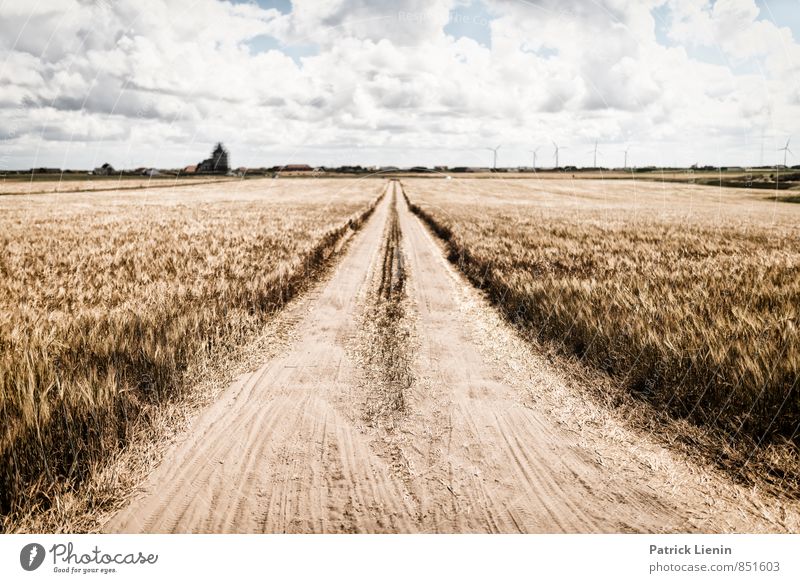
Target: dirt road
405	404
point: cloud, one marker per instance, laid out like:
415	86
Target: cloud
403	23
129	80
735	28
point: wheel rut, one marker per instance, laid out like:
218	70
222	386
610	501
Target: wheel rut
405	405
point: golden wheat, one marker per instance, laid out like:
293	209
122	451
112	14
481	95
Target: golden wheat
687	295
107	298
80	183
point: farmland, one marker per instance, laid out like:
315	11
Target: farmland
687	296
404	402
107	299
55	183
156	378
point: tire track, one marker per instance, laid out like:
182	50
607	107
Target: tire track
405	405
275	454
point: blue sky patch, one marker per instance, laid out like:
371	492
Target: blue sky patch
284	6
471	21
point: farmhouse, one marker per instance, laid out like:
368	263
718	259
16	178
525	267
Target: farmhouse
297	168
217	163
104	170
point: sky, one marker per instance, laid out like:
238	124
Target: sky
411	82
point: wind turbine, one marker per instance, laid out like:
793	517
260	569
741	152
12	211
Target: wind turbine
534	157
494	164
595	154
556	153
785	151
625	167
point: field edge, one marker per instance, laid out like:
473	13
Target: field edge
774	468
79	505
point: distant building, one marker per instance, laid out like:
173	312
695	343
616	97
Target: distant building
191	169
217	164
104	170
297	168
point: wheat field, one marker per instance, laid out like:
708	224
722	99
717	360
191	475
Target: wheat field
689	296
106	299
73	183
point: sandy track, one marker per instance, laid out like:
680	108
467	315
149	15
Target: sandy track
484	440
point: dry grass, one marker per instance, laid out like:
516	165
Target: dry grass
686	295
387	353
77	183
107	299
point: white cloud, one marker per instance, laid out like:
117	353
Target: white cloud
131	80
